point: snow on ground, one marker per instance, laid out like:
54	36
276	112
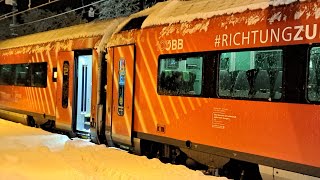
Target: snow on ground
31	153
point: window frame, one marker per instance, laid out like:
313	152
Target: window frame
181	55
12	75
16	72
262	49
45	64
307	74
31	76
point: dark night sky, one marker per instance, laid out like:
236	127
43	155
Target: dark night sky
4	8
56	6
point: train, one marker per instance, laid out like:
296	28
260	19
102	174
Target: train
229	86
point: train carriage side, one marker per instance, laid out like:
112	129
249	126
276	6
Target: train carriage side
242	86
51	78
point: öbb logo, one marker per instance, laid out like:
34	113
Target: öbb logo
174	44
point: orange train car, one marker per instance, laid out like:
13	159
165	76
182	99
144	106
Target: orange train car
51	77
223	84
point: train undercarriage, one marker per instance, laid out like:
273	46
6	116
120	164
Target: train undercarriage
209	164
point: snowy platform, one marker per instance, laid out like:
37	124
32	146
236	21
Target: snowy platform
31	153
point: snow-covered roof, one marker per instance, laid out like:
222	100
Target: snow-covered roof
175	11
92	29
168	12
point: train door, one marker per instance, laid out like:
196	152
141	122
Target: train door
63	74
122	98
83	93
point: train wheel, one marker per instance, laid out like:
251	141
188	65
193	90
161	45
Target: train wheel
240	170
48	126
31	122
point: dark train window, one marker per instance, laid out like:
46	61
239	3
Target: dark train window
313	87
7	74
39	74
33	74
251	74
180	75
23	76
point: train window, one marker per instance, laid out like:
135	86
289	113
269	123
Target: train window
251	74
314	75
7	74
23	76
180	75
39	74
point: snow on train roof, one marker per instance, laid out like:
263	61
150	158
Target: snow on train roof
92	29
168	12
175	11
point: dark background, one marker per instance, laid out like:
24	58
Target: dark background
58	6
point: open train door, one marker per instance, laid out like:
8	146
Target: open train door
64	77
122	94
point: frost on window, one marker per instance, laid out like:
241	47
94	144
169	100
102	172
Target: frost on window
180	75
251	74
314	75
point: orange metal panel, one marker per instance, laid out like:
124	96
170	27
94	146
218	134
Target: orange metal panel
109	83
39	100
122	104
95	71
64	114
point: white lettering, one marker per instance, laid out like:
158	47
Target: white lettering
297	37
174	44
234	39
168	45
224	40
180	44
286	34
314	33
267	35
254	35
246	38
289	34
275	35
